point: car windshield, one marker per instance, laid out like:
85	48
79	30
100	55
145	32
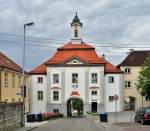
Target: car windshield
147	110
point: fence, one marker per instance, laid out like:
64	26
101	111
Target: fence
10	115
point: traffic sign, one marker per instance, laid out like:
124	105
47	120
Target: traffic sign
115	97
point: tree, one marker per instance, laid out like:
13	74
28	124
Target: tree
143	84
78	104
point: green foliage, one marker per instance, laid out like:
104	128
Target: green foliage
143	84
77	104
93	114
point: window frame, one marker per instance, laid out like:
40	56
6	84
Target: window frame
111	99
40	96
40	80
55	95
55	78
126	84
94	78
111	79
6	76
94	93
127	70
75	78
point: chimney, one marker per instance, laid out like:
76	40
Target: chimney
103	56
130	50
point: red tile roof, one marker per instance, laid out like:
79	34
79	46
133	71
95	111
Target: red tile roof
82	51
41	69
6	62
135	58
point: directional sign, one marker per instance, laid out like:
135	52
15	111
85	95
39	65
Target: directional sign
115	97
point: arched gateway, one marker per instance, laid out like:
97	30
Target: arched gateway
74	107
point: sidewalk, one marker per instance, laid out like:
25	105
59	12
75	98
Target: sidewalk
31	125
122	117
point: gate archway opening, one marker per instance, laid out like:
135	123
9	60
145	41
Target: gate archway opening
74	107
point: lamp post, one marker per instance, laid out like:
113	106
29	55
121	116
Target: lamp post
23	72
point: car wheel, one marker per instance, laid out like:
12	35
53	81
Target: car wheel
142	121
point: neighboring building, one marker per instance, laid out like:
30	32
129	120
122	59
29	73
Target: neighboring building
11	81
75	71
131	66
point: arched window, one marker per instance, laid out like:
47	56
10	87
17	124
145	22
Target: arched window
76	33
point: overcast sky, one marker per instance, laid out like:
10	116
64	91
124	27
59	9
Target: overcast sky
113	23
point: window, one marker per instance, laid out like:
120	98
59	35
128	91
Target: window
127	84
147	98
40	95
94	92
55	95
94	78
55	78
110	79
6	79
111	98
56	110
127	70
40	79
19	81
74	78
13	80
76	33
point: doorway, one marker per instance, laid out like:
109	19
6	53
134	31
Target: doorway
94	106
74	107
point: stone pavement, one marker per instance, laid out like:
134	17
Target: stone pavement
31	125
122	117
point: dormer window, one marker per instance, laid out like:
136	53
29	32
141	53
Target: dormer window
76	33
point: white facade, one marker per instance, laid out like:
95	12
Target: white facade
85	87
112	89
37	106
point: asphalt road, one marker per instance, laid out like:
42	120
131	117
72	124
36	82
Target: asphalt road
71	124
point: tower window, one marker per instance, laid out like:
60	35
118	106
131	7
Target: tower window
76	33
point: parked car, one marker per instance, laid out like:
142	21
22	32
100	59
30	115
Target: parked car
75	113
143	115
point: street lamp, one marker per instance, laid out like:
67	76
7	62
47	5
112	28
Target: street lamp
23	73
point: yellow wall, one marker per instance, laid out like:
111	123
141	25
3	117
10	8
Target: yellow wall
132	91
9	93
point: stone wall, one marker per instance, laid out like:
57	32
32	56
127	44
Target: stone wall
10	115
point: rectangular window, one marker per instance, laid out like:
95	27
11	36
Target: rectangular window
55	78
74	78
110	79
56	110
19	81
55	95
127	71
40	79
13	80
94	78
40	95
94	92
111	98
127	84
6	80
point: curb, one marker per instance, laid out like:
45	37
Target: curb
32	128
103	125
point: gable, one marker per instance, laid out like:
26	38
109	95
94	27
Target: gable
75	61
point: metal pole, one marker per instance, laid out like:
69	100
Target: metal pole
23	79
116	110
142	102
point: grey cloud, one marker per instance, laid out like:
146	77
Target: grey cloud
104	21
